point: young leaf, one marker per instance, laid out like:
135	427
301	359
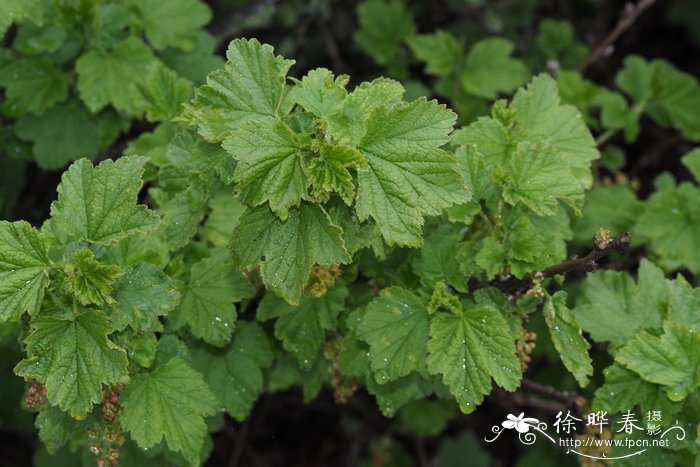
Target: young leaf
24	265
207	306
74	358
235	373
319	93
395	325
269	165
98	204
538	178
567	337
329	172
408	175
249	87
286	250
540	115
491	257
468	350
672	359
302	329
89	280
104	77
142	294
171	401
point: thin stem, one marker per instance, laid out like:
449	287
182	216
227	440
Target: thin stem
567	398
605	137
601	248
240	443
630	13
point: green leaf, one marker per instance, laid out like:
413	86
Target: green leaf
98	204
468	350
599	212
235	373
683	303
440	51
426	417
74	358
350	125
692	162
672	359
557	41
567	337
89	280
382	27
63	133
624	389
666	94
142	294
393	395
539	179
269	165
195	64
174	23
490	70
24	267
287	250
207	306
18	10
466	445
161	94
104	77
395	326
249	87
319	93
491	257
670	223
439	260
352	357
225	210
32	86
613	308
408	175
302	328
171	401
55	427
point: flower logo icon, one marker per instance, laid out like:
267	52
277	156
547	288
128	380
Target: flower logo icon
521	423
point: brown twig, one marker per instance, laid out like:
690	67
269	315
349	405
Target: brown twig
630	13
339	65
568	398
603	245
235	459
